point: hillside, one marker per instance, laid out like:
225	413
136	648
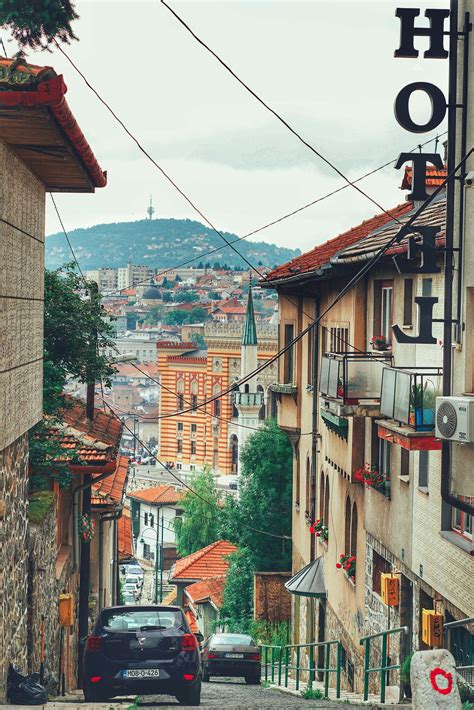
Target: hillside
159	243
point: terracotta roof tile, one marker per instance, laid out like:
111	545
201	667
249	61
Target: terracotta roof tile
125	534
321	254
112	488
211	589
191	621
105	427
210	561
434	177
159	495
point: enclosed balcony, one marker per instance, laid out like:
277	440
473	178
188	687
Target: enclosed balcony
350	380
248	399
408	400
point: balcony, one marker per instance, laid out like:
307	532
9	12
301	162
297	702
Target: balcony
350	383
284	388
248	399
408	400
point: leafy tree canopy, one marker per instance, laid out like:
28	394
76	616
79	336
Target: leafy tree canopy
237	609
186	297
199	340
199	525
36	23
265	500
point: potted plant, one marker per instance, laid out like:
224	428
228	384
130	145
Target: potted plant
347	562
422	406
405	676
370	476
86	527
320	530
380	342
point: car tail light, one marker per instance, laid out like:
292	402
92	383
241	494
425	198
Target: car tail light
188	676
253	656
188	642
94	644
95	678
211	654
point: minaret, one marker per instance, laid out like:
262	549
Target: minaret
248	399
151	210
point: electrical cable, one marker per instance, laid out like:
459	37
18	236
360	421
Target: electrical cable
185	485
272	110
69	242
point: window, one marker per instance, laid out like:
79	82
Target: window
423	469
408	302
215	454
347	526
297	479
288	361
326	500
179	466
308	486
337	339
193	448
216	404
145	518
146	551
234	444
194	401
180	402
180	394
385	461
379	566
152	521
179	445
321	496
405	462
310	340
192	468
354	524
426	287
261	411
180	427
383	307
462	522
193	428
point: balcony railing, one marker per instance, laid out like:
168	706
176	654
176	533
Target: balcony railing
351	378
408	395
248	399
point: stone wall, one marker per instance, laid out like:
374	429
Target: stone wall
13	557
272	601
43	595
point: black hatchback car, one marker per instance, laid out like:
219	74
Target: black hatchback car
231	655
143	650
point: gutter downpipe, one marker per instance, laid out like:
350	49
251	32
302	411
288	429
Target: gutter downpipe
446	494
314	437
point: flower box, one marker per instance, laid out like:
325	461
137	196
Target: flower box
347	562
320	530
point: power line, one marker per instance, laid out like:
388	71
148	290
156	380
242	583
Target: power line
68	241
272	110
185	485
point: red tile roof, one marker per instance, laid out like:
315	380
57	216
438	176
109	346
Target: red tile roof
191	621
434	177
41	89
160	495
321	254
126	369
125	534
210	561
111	489
211	589
104	427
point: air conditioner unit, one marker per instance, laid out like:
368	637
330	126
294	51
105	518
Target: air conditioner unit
455	419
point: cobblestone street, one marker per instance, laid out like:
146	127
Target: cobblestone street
228	693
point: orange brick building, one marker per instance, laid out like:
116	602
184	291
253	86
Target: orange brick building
208	435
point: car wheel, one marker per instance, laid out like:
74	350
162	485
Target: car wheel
252	679
94	695
190	696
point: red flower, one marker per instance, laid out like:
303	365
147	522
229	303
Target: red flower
341	557
338	565
312	528
318	534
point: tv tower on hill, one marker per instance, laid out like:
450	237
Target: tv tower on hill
151	210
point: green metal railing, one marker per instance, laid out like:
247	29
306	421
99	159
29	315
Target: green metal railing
383	668
277	663
460	641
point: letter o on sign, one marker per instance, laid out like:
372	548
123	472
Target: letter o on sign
441	681
438	107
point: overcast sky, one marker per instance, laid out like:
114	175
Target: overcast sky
328	67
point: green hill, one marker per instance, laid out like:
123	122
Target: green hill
160	243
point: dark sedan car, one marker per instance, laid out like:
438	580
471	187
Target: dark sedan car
231	655
143	650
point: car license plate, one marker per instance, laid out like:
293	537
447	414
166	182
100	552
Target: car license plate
234	655
142	673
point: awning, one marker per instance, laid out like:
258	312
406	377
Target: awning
309	581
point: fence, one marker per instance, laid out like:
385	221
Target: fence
383	669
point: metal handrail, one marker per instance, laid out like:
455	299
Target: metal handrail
365	640
284	665
457	624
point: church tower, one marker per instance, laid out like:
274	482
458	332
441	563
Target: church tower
248	400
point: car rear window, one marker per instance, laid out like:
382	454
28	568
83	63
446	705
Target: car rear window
232	640
139	619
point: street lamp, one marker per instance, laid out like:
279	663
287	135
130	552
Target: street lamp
157	553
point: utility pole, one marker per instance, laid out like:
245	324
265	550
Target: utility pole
157	552
162	556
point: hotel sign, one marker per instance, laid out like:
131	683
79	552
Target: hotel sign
421	254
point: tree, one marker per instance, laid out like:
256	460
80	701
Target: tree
264	502
198	315
175	317
237	609
178	279
186	297
200	522
74	322
165	283
199	340
36	23
167	297
154	315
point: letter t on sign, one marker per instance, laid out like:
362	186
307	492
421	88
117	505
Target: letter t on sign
418	178
408	31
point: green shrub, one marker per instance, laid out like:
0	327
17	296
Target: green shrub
39	505
405	669
312	694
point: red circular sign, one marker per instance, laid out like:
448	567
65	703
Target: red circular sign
441	681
